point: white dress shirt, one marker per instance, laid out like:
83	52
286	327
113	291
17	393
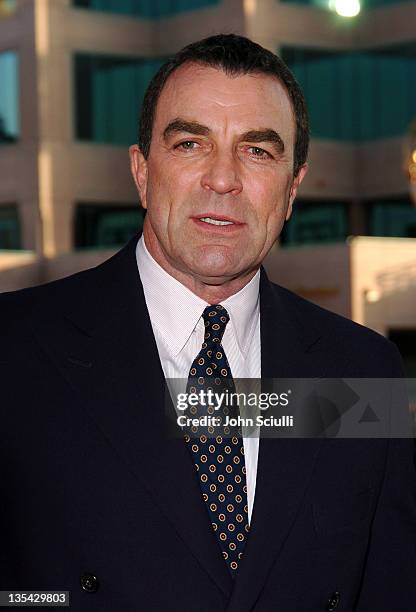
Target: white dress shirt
176	316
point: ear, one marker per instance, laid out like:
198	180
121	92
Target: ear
138	167
294	188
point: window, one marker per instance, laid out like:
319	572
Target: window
108	96
9	97
394	217
9	227
152	9
315	223
357	96
100	226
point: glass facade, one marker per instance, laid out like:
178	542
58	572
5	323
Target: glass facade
392	217
152	9
108	96
315	222
9	97
357	96
9	227
100	226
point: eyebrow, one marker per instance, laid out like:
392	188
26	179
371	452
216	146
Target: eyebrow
267	135
193	127
181	125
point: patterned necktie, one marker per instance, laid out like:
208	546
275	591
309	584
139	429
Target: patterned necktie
219	460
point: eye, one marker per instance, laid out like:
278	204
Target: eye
186	145
259	152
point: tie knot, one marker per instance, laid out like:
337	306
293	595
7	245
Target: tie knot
215	318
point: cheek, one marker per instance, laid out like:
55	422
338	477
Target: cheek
269	202
168	184
158	194
166	206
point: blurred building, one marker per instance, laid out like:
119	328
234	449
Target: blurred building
72	76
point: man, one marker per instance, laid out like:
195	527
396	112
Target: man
97	499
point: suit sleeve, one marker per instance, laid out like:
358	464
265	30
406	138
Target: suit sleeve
389	581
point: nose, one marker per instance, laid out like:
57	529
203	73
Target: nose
221	174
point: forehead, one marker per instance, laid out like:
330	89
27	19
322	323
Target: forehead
209	95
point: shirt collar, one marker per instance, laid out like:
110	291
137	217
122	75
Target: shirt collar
175	310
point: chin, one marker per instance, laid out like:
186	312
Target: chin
222	261
215	274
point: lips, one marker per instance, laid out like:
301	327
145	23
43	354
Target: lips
217	220
217	225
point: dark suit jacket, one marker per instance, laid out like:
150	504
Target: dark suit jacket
89	484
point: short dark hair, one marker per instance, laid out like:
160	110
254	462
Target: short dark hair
235	55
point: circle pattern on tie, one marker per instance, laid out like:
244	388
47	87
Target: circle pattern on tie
219	461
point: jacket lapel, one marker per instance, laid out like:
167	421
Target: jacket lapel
285	465
105	349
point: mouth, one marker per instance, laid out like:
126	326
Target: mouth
221	223
215	221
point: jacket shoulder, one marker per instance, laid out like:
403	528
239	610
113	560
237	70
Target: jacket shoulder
22	302
371	351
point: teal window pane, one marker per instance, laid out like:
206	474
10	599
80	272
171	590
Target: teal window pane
152	9
108	95
99	225
327	80
7	7
314	223
386	96
365	108
9	97
393	218
357	96
9	227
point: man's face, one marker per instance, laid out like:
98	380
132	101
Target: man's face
218	182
